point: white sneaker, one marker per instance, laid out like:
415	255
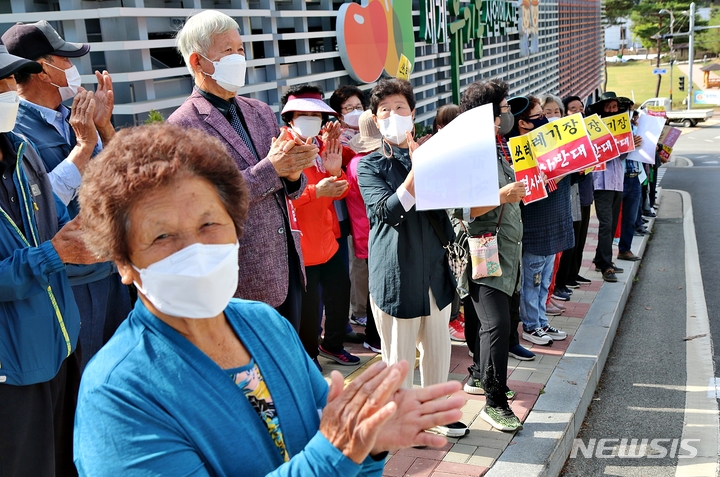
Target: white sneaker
537	336
554	333
455	429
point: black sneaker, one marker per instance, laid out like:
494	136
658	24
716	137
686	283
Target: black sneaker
582	280
520	352
454	429
572	284
343	357
355	337
561	295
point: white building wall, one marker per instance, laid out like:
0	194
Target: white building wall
287	42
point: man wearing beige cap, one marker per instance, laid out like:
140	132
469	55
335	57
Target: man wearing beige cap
66	139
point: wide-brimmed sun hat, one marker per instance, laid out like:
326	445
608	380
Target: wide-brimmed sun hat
369	138
307	102
623	102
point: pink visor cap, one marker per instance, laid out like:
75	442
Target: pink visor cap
307	102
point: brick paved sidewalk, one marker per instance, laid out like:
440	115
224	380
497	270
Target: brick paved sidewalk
475	453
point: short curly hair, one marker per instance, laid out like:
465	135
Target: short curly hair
388	87
491	91
345	92
141	159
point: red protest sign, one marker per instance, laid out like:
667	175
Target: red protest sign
602	139
526	169
562	146
619	126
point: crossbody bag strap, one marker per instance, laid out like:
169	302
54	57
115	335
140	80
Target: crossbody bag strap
502	210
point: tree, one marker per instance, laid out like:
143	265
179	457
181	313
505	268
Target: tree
615	11
709	40
154	117
646	20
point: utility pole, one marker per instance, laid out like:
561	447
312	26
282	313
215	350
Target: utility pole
672	52
657	63
691	52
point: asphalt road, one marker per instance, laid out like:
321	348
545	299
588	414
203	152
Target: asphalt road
641	392
702	146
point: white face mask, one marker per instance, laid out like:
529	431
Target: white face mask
195	282
352	119
552	119
72	76
9	103
229	72
307	126
394	127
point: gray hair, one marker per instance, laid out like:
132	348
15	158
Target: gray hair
199	31
551	98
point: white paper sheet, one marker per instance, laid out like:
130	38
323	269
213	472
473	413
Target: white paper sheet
649	129
457	167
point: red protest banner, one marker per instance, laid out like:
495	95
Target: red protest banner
574	156
619	126
602	139
526	169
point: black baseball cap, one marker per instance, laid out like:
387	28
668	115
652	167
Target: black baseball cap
33	40
11	64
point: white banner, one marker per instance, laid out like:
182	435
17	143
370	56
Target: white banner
457	167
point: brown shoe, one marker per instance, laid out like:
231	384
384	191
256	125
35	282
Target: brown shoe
629	256
609	275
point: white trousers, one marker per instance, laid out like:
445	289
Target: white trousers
399	337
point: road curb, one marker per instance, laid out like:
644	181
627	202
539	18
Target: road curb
545	442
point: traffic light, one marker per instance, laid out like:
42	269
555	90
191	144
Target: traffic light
682	83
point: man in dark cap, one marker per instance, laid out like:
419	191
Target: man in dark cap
609	185
66	141
39	320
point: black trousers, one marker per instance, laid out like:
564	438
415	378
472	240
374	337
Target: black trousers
491	318
292	306
371	332
581	230
563	272
607	208
36	434
335	281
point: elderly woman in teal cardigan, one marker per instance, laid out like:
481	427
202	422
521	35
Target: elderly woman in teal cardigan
195	382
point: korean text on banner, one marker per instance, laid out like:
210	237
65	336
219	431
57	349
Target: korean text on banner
562	146
619	126
602	139
458	167
657	111
668	138
526	169
649	129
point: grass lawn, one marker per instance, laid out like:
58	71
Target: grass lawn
635	80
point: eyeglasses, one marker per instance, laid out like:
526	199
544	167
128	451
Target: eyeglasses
350	109
506	109
537	116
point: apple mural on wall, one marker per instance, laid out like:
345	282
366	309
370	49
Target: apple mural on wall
363	39
372	37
